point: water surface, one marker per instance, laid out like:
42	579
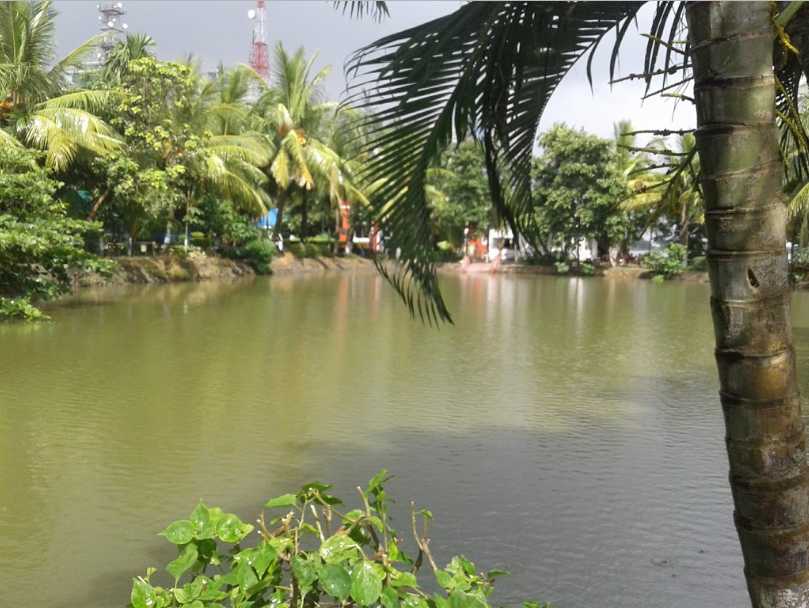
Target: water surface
568	430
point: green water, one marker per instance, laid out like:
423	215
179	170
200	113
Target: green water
565	429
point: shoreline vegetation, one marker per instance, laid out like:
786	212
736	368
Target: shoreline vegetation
198	266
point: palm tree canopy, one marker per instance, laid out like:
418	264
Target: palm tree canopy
136	46
28	73
34	103
300	126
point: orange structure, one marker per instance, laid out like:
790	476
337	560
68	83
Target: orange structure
344	227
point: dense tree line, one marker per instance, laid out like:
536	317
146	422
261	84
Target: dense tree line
139	149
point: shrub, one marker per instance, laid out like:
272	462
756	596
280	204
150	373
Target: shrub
587	269
446	252
562	267
308	554
668	262
20	309
256	253
308	249
699	263
40	245
800	259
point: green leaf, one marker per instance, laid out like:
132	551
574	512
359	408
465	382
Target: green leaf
335	580
338	548
444	579
186	559
494	573
260	558
305	571
231	529
366	582
179	532
404	579
143	594
287	500
316	486
353	516
389	598
245	576
213	591
190	592
377	480
459	599
412	600
395	554
204	521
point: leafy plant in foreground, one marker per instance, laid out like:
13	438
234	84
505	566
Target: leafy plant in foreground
310	554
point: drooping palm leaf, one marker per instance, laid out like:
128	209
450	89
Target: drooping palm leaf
488	70
62	132
376	9
790	69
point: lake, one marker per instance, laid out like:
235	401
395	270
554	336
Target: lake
567	430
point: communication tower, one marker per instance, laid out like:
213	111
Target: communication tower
112	26
259	57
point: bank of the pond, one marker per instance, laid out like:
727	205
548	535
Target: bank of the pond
197	266
619	272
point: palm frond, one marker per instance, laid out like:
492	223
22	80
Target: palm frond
799	202
94	100
488	70
250	148
238	182
376	9
62	132
75	58
790	69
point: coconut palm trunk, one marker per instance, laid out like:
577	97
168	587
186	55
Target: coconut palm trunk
280	205
732	54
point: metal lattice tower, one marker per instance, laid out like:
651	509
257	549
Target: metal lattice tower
112	26
259	56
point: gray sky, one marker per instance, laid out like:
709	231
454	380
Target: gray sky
215	31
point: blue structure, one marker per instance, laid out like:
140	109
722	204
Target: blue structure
268	220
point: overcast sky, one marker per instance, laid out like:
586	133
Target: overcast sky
215	31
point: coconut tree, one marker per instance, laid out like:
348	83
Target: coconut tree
135	46
294	115
488	70
227	156
674	194
35	105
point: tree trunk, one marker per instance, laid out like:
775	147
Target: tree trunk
279	218
97	205
304	216
732	53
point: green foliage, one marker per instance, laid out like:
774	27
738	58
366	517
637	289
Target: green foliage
578	189
311	249
311	552
40	246
257	253
20	309
587	269
562	267
464	192
668	262
698	263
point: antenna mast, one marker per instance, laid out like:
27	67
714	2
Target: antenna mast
110	17
259	57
